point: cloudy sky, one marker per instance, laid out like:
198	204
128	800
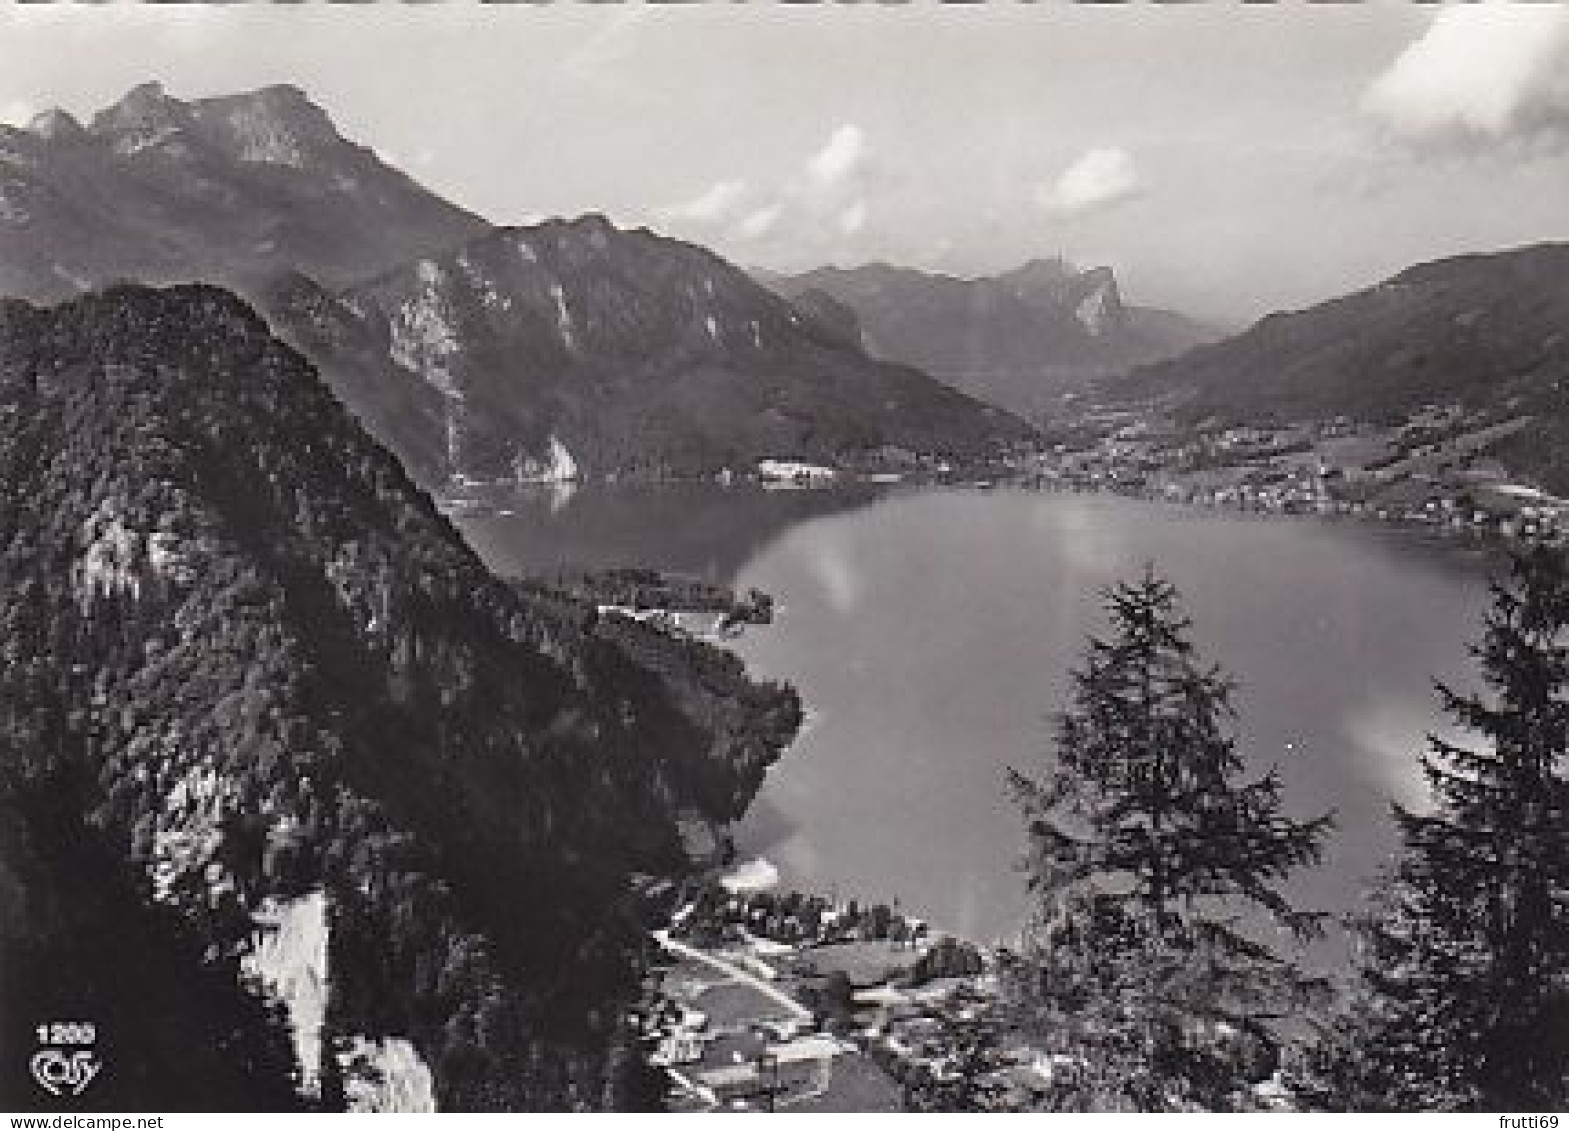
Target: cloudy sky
1225	160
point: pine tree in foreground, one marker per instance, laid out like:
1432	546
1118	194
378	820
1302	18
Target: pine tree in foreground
1159	867
1465	995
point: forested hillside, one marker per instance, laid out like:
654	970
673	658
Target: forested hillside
577	348
247	663
1480	330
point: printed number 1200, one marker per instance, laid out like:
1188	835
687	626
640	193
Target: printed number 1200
67	1033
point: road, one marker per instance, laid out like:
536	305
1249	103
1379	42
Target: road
730	970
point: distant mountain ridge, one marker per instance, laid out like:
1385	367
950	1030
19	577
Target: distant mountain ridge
1485	331
1017	339
476	352
1459	329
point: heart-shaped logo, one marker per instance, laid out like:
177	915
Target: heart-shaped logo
60	1073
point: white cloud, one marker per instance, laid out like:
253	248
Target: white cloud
814	208
604	54
826	202
759	223
1099	178
839	157
1479	73
716	203
853	218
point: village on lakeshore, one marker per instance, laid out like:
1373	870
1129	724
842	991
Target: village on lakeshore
758	1000
796	1002
1434	468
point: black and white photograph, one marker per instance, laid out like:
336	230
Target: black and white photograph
714	558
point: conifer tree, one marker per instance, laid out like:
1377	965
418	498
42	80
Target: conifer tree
1159	864
1466	969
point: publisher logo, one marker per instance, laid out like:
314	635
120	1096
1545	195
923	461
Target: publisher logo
67	1064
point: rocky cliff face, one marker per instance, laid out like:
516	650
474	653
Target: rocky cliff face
1018	339
577	346
285	774
227	189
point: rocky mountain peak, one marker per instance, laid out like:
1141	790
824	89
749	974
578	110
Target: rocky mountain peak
1053	272
1099	277
1100	308
1017	339
591	232
55	124
277	124
1091	295
592	222
229	188
145	106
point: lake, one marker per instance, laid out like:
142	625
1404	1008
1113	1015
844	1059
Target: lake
931	633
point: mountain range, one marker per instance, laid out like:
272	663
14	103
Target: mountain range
1018	339
226	190
476	352
1488	332
298	802
301	805
578	348
1471	328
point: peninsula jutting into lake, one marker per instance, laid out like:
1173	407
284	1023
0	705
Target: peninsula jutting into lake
710	559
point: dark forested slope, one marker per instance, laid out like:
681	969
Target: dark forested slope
245	660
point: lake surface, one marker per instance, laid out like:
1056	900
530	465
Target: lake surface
931	635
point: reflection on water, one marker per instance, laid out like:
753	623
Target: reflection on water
931	635
700	529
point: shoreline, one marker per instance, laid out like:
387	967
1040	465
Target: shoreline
1488	535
